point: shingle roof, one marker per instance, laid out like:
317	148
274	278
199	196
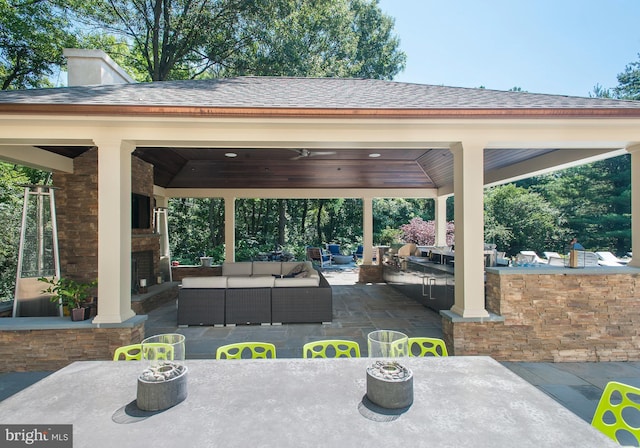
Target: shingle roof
304	93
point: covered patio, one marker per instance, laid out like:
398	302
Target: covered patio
431	142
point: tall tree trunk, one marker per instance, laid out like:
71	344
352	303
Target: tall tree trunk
318	221
282	221
303	216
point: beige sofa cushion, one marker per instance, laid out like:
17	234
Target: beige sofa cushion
260	281
267	268
241	268
288	266
204	282
296	282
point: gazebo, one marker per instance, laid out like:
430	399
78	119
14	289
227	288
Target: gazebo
247	137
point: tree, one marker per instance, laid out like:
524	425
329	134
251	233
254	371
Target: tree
32	36
629	82
600	92
186	39
423	232
517	219
595	200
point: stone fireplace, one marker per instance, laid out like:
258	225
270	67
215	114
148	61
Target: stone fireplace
142	268
77	210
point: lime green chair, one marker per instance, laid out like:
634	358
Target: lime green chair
133	352
342	348
258	350
432	346
617	401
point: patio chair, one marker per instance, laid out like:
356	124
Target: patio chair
316	254
617	413
333	249
358	254
258	350
339	348
432	346
133	352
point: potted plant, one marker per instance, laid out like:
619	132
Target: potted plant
206	261
71	294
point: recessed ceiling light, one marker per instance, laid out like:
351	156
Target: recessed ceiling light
373	155
231	154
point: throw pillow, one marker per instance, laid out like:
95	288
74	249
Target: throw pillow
297	269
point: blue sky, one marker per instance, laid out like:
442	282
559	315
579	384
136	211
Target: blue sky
543	46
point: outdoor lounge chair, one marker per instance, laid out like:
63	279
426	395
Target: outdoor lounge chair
532	256
316	254
608	259
554	259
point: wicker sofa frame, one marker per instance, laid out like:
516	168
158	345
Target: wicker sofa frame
231	306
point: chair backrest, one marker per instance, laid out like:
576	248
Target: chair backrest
428	346
158	350
334	249
338	348
154	350
131	352
315	254
618	401
257	350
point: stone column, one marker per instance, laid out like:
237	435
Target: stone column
634	150
229	229
441	220
114	231
469	235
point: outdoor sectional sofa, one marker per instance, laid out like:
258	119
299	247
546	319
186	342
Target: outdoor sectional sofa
256	292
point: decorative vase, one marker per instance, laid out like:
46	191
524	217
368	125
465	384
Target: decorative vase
163	383
79	314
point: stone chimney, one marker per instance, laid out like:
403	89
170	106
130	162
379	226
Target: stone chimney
93	67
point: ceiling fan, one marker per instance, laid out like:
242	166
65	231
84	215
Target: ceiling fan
304	153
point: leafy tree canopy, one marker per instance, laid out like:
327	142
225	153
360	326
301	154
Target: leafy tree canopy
32	36
187	39
629	82
518	219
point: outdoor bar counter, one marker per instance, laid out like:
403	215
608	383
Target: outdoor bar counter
458	402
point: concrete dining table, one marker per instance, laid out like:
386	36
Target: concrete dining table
457	402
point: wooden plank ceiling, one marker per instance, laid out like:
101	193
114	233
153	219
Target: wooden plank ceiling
203	168
285	168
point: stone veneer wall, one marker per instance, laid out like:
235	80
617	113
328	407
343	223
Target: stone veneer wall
590	314
77	212
45	350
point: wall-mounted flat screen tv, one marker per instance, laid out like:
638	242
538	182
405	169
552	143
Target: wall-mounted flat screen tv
140	211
